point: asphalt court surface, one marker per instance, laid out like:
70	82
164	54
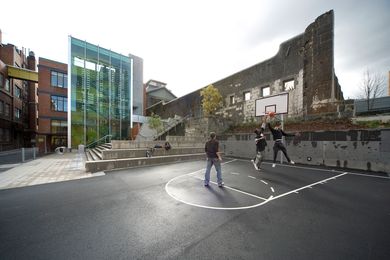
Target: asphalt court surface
165	212
246	187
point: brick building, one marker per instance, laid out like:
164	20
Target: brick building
18	97
303	67
53	105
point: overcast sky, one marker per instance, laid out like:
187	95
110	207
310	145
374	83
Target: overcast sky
189	44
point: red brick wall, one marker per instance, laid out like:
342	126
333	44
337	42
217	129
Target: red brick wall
45	90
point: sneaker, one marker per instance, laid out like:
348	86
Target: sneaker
221	184
206	184
273	165
254	164
292	162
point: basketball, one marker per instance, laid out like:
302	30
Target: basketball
271	114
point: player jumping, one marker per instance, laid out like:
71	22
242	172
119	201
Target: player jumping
277	134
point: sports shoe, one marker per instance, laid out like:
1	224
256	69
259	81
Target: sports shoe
254	164
273	165
206	184
221	184
292	162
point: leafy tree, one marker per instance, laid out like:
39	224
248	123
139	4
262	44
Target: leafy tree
155	122
211	100
373	86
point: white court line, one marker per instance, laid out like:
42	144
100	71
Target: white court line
203	169
318	169
372	176
264	182
307	186
264	200
230	188
295	166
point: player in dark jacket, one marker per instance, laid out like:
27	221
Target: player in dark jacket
261	143
277	134
213	158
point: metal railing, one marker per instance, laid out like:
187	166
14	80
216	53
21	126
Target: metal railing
104	139
18	155
171	123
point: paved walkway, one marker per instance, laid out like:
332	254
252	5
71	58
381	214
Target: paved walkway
50	168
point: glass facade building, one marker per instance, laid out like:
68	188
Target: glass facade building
100	96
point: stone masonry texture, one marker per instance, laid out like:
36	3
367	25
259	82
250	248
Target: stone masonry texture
306	59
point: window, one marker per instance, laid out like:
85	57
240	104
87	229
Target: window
6	110
6	87
289	85
18	92
6	135
59	126
1	80
59	103
232	101
247	95
266	91
59	79
18	113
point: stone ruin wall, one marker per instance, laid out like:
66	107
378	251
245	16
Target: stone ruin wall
307	59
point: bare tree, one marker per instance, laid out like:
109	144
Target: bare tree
372	87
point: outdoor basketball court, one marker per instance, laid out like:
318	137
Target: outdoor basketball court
165	212
247	188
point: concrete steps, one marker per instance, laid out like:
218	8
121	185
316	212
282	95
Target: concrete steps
128	154
96	154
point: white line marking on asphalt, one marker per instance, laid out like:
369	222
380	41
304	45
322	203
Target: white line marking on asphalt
307	186
372	176
264	182
234	173
251	177
272	189
326	170
264	200
243	192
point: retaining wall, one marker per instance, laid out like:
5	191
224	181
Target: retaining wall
358	149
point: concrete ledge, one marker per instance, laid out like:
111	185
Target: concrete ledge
106	165
141	152
116	144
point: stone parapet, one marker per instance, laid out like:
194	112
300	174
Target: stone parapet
107	165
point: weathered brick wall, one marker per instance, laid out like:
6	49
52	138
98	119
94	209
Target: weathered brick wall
320	85
307	59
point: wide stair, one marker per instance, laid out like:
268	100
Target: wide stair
129	154
96	154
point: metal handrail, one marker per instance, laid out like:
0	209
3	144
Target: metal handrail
170	126
97	141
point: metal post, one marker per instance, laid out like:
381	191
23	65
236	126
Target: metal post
34	153
22	155
281	154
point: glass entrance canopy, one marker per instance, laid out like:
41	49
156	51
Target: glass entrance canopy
100	93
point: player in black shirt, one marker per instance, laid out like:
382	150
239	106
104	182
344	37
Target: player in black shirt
260	146
277	134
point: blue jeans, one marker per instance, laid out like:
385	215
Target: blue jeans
217	164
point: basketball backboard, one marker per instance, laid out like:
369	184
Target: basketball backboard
276	103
